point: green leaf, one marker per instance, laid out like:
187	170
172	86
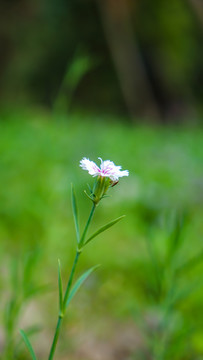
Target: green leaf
191	263
90	197
184	293
60	287
75	213
29	331
79	282
28	344
90	189
103	228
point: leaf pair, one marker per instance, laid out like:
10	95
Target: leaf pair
74	289
99	231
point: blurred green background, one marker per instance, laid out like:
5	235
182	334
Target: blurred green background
121	80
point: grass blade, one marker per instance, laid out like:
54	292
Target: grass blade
75	213
60	288
90	189
28	344
191	263
79	282
104	228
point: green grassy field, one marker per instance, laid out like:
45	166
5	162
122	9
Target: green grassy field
146	298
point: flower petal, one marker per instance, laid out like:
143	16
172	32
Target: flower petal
123	173
90	166
109	169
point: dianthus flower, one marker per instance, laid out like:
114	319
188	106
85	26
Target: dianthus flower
107	169
108	174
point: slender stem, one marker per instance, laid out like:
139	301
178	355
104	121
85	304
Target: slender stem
55	340
70	280
87	225
61	315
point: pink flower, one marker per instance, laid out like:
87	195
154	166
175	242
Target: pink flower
106	169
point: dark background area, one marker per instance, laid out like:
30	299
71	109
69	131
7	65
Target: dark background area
140	58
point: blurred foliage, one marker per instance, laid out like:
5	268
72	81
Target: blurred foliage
39	41
172	279
151	262
19	289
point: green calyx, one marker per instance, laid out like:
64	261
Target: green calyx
100	188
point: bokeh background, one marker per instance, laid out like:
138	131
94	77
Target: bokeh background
122	80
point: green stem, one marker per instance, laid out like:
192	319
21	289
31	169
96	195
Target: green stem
61	315
87	225
70	280
56	336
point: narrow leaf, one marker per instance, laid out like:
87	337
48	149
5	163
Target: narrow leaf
190	263
75	214
90	189
103	228
29	331
89	197
60	287
28	344
79	282
186	292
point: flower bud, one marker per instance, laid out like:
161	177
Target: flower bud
100	188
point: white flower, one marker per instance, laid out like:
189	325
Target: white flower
106	169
